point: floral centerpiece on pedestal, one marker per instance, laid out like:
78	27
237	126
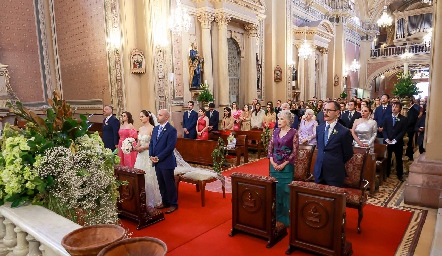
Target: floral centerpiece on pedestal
56	163
205	96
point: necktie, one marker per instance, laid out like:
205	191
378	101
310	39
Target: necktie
326	134
211	113
394	120
188	114
350	115
383	109
160	129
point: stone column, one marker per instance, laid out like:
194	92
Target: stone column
323	70
206	47
251	51
424	185
223	73
339	57
311	76
363	58
301	78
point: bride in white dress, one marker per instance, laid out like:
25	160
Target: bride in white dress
153	196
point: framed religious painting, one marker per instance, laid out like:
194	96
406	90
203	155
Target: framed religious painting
137	62
277	74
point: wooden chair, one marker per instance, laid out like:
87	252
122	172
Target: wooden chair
354	184
241	147
254	141
253	211
317	219
380	151
303	163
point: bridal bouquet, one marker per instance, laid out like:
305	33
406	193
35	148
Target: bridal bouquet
127	145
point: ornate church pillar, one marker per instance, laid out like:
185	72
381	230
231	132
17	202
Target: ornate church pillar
301	77
206	47
364	56
323	74
251	48
223	73
339	55
311	72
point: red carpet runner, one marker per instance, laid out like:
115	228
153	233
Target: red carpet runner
195	230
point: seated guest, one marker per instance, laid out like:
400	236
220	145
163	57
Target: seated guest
257	117
307	130
127	130
269	119
227	123
282	152
245	118
202	129
364	130
213	116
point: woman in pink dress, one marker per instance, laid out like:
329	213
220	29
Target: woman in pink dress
202	128
127	130
236	113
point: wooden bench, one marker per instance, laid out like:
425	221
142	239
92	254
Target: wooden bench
241	147
253	211
317	219
133	198
254	140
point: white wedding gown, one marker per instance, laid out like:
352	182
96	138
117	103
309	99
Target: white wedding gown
153	196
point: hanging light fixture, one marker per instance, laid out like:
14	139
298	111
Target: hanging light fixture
355	66
179	20
385	20
429	2
407	55
305	50
428	36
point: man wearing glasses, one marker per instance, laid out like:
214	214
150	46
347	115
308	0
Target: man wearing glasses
334	148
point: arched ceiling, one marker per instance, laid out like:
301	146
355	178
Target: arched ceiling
371	10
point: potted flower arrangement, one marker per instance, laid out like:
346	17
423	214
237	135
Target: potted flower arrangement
205	96
56	163
405	87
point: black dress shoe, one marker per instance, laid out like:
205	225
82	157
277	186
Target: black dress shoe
162	206
171	209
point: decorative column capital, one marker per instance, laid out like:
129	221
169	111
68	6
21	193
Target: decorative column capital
206	19
323	50
252	29
222	18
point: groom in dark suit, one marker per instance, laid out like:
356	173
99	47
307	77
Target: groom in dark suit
162	144
110	128
334	148
190	119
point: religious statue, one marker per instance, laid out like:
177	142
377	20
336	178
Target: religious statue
195	67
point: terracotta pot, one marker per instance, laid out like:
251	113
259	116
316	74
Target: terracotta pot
146	246
91	240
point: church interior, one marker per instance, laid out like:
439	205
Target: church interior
161	54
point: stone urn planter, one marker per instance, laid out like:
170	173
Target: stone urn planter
146	246
90	240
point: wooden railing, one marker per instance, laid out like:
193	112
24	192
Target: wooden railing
399	50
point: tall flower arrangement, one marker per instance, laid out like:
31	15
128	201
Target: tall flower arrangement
56	163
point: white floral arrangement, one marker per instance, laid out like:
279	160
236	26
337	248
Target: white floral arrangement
127	145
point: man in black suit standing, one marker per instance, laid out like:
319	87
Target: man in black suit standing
111	125
213	116
394	130
384	110
350	115
190	119
412	115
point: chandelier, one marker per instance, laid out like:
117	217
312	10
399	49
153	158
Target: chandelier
427	2
305	50
385	19
355	66
406	55
427	38
179	20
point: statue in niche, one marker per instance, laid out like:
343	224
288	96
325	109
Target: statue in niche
294	74
195	67
258	72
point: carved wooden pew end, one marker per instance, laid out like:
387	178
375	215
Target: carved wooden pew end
317	219
253	207
132	204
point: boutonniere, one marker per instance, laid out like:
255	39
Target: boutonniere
106	123
398	119
335	132
164	129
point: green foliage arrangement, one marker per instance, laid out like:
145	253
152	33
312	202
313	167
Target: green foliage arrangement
56	163
265	137
205	95
218	156
343	95
405	86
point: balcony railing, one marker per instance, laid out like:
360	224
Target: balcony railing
32	230
399	50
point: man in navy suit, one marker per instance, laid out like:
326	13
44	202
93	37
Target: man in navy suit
162	144
213	116
190	119
350	115
412	115
111	125
394	130
384	110
334	148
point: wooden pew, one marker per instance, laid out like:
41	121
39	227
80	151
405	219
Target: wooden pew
241	147
196	151
254	140
133	198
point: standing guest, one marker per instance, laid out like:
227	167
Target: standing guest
190	118
289	102
381	112
294	109
202	129
110	129
228	121
301	108
350	115
377	103
282	152
319	106
213	116
320	117
334	142
245	118
394	130
127	130
278	107
269	119
254	101
364	130
162	144
342	104
257	117
236	114
420	129
295	123
412	115
307	130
